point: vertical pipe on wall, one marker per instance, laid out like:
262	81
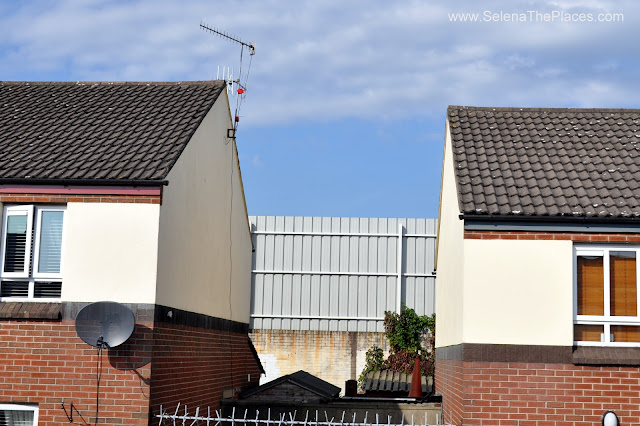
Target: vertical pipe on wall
399	268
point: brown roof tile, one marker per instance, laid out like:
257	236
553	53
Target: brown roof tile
546	162
115	131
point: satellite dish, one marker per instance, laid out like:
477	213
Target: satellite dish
103	324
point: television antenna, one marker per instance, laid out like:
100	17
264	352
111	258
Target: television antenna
235	86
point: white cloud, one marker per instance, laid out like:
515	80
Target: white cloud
332	59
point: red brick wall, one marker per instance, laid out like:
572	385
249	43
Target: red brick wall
524	235
63	199
448	382
496	393
44	362
193	366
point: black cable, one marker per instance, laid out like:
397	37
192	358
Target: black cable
231	261
98	374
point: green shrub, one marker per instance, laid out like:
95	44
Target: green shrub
406	331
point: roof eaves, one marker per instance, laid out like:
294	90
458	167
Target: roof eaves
97	182
558	219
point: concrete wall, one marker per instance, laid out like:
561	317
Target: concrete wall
518	292
204	243
450	257
334	356
393	412
110	252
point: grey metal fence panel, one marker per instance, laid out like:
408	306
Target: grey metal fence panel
332	273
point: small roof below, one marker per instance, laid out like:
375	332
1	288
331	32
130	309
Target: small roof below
302	379
387	381
533	162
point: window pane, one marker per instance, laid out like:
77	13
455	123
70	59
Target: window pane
16	417
623	283
590	285
625	333
50	242
15	243
587	333
14	289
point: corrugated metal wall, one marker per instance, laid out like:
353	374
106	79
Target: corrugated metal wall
339	274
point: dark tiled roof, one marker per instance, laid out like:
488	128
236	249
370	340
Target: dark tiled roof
300	378
547	162
112	131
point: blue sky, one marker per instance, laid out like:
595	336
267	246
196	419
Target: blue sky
345	108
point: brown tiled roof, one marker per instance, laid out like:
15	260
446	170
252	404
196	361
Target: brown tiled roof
547	162
106	131
393	381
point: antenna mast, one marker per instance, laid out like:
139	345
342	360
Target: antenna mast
241	84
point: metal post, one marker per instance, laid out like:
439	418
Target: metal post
399	268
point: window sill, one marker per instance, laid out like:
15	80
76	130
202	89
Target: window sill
606	355
31	310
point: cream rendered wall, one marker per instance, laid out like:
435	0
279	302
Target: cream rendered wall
204	251
449	257
110	252
518	292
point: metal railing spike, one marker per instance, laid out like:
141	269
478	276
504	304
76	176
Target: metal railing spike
191	420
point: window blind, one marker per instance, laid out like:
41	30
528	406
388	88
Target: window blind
50	242
622	284
15	243
590	285
16	418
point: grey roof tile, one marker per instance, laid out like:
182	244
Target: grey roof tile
119	131
546	162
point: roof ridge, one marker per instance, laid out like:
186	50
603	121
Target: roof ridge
112	83
541	109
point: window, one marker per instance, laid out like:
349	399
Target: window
32	252
606	296
18	415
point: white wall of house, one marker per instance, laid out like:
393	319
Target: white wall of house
518	292
450	257
110	252
204	253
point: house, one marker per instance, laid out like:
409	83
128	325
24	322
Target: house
129	193
538	241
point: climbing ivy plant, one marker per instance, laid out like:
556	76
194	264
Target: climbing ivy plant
407	332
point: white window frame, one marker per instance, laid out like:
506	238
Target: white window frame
22	407
26	210
606	320
36	250
30	273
